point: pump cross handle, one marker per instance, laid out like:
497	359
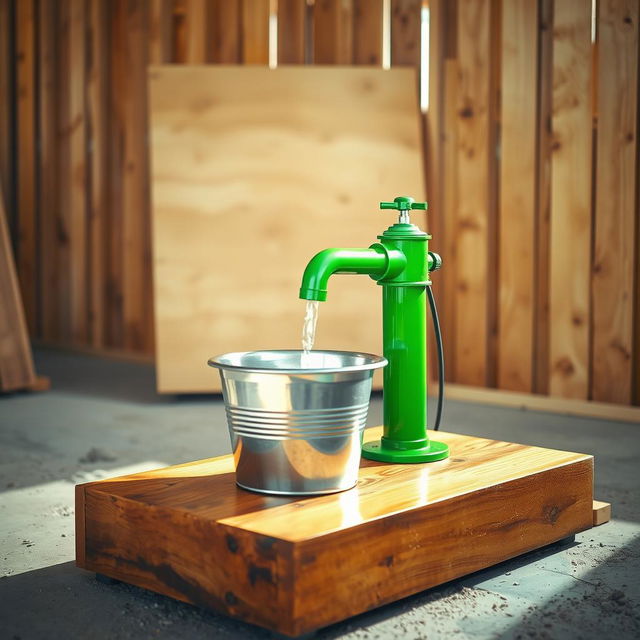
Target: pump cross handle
403	203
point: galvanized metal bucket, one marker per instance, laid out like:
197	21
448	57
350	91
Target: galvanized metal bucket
296	420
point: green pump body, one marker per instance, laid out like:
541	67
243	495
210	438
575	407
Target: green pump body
400	263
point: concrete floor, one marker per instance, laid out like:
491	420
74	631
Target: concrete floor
103	418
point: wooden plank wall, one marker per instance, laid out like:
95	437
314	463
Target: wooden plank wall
531	166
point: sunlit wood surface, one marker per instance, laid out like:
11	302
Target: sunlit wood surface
297	564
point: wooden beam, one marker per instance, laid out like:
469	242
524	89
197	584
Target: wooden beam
548	404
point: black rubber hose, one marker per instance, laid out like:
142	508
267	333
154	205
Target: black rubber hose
438	333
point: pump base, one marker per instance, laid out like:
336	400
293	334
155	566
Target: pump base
294	564
375	450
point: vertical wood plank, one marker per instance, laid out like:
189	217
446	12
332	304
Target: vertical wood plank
179	31
291	31
196	31
405	32
570	200
47	169
76	123
434	157
450	216
495	79
118	70
226	36
26	160
333	32
473	158
615	212
367	34
63	202
255	31
97	101
137	306
543	200
160	31
517	194
7	130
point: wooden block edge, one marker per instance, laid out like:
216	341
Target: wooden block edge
80	527
601	512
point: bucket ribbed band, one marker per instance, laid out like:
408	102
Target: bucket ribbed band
305	424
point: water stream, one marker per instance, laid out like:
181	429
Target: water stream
309	332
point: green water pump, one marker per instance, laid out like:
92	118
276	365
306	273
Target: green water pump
400	263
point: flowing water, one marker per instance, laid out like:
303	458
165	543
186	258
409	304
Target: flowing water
309	332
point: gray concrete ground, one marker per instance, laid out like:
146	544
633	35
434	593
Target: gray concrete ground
103	418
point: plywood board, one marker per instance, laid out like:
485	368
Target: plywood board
254	171
295	564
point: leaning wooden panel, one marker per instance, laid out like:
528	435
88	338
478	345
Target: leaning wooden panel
16	361
294	564
616	207
517	194
254	171
570	249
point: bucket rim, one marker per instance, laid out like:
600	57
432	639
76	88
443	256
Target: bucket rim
374	362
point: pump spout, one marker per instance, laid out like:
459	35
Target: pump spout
375	261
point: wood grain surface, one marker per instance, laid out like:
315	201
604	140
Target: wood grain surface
255	171
295	564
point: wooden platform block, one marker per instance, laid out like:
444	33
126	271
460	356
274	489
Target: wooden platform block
296	564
